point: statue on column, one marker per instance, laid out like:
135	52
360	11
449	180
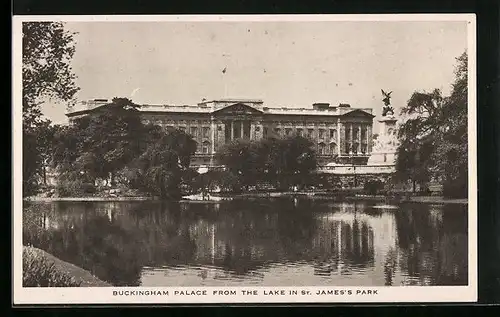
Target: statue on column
387	110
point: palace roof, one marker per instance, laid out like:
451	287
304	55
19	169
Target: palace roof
207	107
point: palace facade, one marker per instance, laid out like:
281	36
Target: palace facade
340	133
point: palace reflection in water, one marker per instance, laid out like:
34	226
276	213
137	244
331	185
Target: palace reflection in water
263	242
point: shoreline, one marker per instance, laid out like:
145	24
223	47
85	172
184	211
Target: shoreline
308	195
81	275
55	199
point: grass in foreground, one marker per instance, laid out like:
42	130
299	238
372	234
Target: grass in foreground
39	272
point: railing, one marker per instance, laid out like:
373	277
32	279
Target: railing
337	169
356	169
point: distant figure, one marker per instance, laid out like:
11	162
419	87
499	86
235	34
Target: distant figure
387	103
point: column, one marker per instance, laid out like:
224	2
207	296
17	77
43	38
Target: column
342	136
252	131
213	132
242	130
359	138
232	130
369	137
339	144
350	137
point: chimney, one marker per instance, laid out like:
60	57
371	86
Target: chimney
321	106
344	105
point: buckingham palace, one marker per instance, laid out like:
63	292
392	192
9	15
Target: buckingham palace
341	134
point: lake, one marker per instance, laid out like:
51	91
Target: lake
261	242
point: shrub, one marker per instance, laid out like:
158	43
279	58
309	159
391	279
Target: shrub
39	272
373	187
74	185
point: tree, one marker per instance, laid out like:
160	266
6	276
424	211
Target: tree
160	169
284	162
241	159
106	141
47	51
433	138
296	159
451	153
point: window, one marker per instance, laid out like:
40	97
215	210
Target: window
355	148
205	132
299	132
322	149
310	133
363	134
321	133
333	148
194	131
183	129
205	147
355	133
363	149
257	129
277	131
333	134
265	131
288	131
347	148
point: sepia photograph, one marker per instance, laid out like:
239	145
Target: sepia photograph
211	159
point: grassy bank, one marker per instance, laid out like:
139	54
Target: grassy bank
41	269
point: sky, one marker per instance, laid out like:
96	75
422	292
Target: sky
286	64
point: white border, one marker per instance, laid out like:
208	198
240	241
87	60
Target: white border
105	295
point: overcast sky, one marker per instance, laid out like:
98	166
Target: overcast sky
291	64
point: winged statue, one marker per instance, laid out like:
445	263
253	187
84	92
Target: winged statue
387	103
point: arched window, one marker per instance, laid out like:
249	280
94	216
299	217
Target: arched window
333	134
322	149
205	147
390	131
333	148
198	147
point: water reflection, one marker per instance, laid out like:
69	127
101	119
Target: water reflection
260	242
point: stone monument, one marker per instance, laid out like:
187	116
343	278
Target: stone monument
386	144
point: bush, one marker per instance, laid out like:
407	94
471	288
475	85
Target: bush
39	272
71	184
373	187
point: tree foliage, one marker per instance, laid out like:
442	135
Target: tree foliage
433	138
47	50
113	140
161	167
284	162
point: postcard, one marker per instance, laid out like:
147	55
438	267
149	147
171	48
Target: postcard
244	159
